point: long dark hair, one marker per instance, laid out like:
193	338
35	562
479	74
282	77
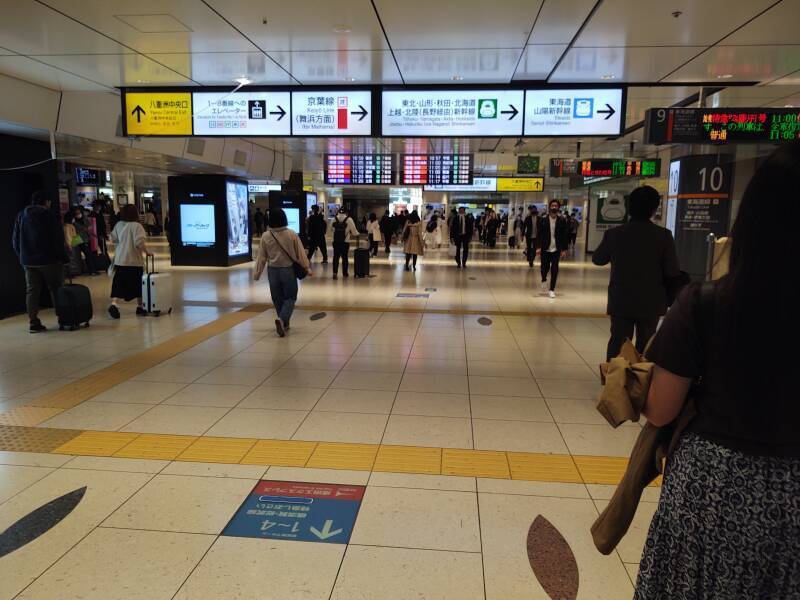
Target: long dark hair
754	299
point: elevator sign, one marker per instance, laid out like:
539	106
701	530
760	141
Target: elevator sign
158	113
574	112
241	113
332	112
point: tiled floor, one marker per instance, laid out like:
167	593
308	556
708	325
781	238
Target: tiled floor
355	394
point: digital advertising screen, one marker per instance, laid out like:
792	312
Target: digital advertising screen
84	176
197	225
238	218
293	219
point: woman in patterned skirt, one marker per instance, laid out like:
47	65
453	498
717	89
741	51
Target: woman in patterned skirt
728	521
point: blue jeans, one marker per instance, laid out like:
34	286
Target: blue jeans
283	288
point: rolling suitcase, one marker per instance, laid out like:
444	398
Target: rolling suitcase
156	290
73	306
361	262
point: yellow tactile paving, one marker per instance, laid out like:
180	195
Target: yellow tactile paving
475	463
354	457
409	459
601	469
543	467
156	446
217	450
96	443
34	439
27	416
281	453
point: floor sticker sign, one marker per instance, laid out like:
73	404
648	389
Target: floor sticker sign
289	510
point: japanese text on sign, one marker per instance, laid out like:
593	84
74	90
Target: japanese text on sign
338	112
158	113
241	113
359	169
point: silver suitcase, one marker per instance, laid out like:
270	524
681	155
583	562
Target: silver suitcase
156	290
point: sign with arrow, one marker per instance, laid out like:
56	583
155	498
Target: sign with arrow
158	113
452	112
241	113
332	112
574	112
290	510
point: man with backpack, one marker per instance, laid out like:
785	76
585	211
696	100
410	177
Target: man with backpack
317	228
343	229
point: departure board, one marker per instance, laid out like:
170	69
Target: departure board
721	125
437	169
604	167
359	169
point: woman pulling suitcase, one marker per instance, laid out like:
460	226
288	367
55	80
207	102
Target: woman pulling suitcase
129	238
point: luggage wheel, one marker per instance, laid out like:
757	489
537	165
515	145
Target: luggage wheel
86	324
156	313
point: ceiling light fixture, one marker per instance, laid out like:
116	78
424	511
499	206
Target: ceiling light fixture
725	76
243	80
608	76
142	81
342	29
350	79
456	78
788	106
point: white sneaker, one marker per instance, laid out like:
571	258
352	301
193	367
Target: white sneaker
545	287
552	294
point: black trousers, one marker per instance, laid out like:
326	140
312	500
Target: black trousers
550	262
314	243
373	247
462	249
387	240
622	328
341	250
530	249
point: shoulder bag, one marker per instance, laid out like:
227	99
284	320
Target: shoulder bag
300	271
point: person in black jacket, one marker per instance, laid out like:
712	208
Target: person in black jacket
553	241
387	230
317	228
643	259
529	227
38	242
462	226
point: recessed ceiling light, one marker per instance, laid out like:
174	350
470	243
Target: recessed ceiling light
243	80
142	81
350	79
725	76
342	29
608	76
788	106
456	78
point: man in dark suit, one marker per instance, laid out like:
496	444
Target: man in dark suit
461	227
553	241
529	227
643	259
317	228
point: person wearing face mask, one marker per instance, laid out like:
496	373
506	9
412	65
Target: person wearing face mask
553	242
343	230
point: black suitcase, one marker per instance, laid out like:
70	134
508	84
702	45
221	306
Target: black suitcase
361	262
73	306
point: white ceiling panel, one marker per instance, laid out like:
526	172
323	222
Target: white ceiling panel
221	68
421	24
354	66
28	27
624	64
116	70
305	24
538	61
44	75
559	21
776	26
790	79
155	25
6	52
485	65
741	63
650	22
755	95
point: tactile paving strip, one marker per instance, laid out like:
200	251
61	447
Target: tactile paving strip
281	453
97	443
475	463
34	439
156	447
28	416
543	467
409	459
601	469
217	450
354	457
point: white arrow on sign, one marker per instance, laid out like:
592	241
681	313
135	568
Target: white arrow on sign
326	531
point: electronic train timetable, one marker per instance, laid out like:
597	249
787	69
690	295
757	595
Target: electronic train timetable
437	169
359	169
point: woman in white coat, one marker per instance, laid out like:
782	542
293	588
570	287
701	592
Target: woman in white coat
374	231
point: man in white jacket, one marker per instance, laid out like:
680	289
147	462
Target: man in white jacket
343	229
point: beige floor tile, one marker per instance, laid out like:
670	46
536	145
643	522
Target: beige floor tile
174	373
504	386
445	432
383	350
436	367
77	575
139	392
204	469
105	492
367	380
580	372
182	504
331	362
376	363
342	427
512	408
441	384
359	401
435	352
633	571
258	423
197	359
339	476
569	388
505	355
251	376
179	420
409	574
107	463
207	394
33	459
498	369
599	440
570	410
518	436
283	398
395	517
505	522
101	416
532	488
267	363
605	492
308	378
544	360
423	482
15	478
431	404
630	547
236	567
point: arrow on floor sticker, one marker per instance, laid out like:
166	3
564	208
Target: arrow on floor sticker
326	531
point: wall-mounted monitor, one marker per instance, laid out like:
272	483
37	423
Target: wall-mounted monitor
84	176
238	218
197	225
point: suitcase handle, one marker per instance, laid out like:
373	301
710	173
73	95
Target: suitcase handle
147	263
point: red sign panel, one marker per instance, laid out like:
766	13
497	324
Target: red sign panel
293	489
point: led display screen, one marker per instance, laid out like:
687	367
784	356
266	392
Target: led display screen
238	218
197	225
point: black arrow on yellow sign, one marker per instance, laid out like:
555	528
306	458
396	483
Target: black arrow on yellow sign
138	111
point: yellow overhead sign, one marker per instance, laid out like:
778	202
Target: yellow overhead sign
520	184
158	113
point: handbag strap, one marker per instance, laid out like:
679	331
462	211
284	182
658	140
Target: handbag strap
277	241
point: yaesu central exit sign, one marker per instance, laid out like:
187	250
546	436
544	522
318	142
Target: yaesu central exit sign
158	113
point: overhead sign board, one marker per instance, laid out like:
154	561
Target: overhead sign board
604	167
520	184
721	125
479	184
574	112
527	165
452	112
332	112
241	113
158	113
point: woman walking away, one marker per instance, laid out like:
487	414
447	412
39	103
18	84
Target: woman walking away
728	522
129	237
374	231
413	243
81	225
281	248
